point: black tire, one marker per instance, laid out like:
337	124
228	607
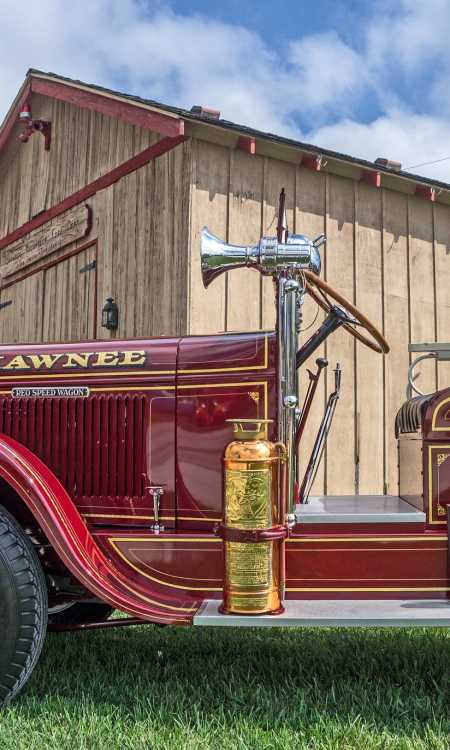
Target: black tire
23	607
81	613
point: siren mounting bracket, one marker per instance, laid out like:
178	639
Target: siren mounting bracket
31	126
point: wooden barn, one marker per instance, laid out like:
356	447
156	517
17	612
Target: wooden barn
104	195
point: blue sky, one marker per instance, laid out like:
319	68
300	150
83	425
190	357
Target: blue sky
277	22
281	23
366	78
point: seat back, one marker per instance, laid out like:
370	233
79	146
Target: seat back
422	428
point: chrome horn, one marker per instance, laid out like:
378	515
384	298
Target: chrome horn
268	255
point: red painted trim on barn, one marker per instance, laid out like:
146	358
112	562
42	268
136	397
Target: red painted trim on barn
426	192
13	117
371	178
245	143
136	162
132	113
311	161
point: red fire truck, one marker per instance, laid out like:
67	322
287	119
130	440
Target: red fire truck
162	477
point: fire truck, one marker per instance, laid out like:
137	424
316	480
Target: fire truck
165	478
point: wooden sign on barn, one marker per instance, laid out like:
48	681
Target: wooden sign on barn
107	197
55	234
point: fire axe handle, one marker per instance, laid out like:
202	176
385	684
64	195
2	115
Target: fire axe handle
322	435
321	363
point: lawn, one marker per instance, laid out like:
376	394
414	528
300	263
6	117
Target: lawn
151	687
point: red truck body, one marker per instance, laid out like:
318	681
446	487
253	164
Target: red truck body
87	429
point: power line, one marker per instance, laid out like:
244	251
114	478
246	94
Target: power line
426	163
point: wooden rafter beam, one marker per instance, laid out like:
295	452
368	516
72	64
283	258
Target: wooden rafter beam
370	177
311	161
246	143
425	191
136	162
113	106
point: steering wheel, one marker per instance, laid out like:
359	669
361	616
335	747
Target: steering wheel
320	290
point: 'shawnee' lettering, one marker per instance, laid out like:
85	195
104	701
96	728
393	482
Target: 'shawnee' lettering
78	360
44	360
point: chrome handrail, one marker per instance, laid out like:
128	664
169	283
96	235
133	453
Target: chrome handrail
411	387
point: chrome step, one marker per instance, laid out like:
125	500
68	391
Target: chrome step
332	612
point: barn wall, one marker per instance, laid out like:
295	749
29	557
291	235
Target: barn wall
136	252
143	241
387	252
84	146
52	301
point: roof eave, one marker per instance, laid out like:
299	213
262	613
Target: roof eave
174	121
12	115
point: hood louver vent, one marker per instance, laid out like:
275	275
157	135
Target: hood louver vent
95	446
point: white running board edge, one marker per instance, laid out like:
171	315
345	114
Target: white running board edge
337	613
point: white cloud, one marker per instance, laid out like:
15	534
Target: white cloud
404	136
326	71
313	89
411	35
179	59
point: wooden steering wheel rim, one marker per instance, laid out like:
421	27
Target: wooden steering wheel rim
377	342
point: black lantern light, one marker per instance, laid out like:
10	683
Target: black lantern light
110	314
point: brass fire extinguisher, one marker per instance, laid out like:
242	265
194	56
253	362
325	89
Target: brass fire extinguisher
252	529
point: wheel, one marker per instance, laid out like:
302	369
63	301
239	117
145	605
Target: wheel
320	290
80	613
23	607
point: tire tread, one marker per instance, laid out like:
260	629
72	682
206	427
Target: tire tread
26	570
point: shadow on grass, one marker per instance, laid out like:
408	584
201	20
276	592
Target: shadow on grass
397	680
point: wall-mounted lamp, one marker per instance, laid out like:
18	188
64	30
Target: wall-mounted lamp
110	315
34	126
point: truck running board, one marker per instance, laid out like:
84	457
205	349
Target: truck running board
332	612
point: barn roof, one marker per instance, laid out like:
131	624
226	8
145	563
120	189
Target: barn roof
175	121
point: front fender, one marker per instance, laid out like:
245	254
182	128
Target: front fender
57	515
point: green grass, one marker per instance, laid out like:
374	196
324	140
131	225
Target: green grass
177	688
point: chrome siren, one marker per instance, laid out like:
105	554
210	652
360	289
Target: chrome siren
268	255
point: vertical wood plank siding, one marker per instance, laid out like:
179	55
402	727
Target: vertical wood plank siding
441	216
209	206
140	225
396	318
69	299
85	145
310	219
244	224
143	244
387	252
368	366
341	470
